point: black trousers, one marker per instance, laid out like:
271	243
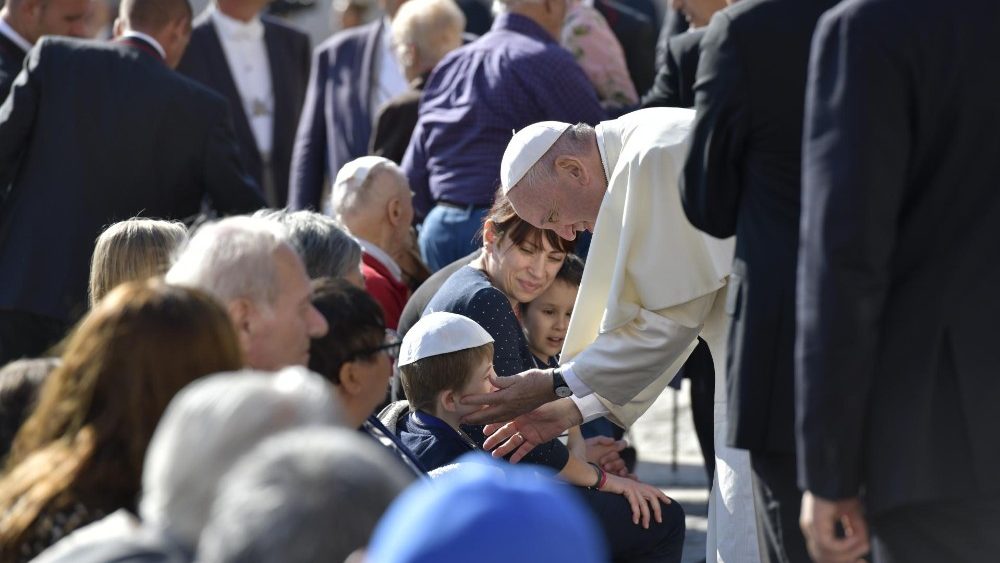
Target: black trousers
26	335
777	503
957	531
629	542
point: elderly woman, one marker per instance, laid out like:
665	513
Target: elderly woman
325	247
519	262
79	456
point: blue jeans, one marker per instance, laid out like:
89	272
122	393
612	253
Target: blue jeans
450	233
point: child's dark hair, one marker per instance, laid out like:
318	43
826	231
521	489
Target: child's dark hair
425	378
356	323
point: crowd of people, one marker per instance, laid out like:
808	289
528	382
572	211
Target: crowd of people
397	298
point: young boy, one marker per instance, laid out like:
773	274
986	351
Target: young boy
546	319
443	358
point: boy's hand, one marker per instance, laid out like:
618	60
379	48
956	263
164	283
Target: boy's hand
644	499
605	451
527	431
516	395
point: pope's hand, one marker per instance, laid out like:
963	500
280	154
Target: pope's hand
516	395
819	521
527	431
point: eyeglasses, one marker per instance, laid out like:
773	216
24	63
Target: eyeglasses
390	345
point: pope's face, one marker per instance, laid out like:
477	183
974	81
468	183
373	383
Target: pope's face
567	205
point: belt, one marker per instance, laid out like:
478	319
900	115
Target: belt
457	205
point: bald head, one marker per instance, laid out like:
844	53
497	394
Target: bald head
167	21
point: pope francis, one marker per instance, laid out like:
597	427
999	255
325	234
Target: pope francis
653	284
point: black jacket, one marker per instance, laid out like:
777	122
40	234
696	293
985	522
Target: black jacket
742	177
674	84
98	133
11	61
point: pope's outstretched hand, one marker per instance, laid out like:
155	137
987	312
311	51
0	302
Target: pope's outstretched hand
529	430
516	395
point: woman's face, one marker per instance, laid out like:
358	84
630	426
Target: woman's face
523	271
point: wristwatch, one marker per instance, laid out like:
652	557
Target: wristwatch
559	386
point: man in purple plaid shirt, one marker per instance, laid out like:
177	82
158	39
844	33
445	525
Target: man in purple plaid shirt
477	96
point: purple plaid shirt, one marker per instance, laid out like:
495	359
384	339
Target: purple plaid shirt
513	76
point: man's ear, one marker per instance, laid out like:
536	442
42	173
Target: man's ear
242	313
350	379
118	29
394	210
448	400
572	167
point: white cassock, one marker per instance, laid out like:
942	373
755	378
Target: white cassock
652	284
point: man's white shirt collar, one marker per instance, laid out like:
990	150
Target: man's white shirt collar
14	36
235	30
383	257
599	130
148	39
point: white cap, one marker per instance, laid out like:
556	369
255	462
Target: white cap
357	170
441	333
525	148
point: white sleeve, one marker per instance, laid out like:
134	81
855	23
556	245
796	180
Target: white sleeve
622	362
579	388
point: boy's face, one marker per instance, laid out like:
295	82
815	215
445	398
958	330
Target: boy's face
547	318
479	383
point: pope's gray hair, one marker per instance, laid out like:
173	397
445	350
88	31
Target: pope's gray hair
302	496
231	259
575	141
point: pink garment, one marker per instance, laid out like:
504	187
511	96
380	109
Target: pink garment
587	35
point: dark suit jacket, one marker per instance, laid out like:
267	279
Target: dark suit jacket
11	61
637	34
395	123
898	309
336	121
674	85
98	133
742	178
288	56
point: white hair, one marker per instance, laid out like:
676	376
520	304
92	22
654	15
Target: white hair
208	426
432	26
574	141
349	198
232	258
302	496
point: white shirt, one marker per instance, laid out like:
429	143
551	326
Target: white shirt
246	53
148	39
390	81
14	36
382	256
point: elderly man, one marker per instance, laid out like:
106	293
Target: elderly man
301	483
423	32
652	285
251	268
372	199
513	76
23	22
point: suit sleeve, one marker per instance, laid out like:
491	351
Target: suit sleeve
665	91
712	179
305	183
855	159
17	117
231	188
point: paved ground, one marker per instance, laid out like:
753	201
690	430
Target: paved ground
669	457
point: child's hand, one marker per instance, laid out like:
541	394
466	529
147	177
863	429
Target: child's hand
640	496
605	451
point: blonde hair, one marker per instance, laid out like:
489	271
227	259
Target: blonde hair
132	250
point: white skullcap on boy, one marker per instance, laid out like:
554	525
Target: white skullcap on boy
441	333
525	148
